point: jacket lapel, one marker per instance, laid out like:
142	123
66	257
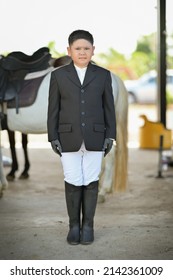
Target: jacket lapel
73	76
90	75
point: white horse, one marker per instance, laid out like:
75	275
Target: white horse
33	120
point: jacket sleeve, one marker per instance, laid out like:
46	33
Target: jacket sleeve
53	109
109	108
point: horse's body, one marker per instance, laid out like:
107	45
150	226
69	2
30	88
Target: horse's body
33	120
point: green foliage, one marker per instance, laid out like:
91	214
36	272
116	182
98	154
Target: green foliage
143	47
141	63
5	53
54	53
112	57
115	62
142	60
169	97
147	44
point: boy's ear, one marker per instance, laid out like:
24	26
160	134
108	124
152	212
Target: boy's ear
68	51
93	49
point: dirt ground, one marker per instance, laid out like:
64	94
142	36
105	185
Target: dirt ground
133	225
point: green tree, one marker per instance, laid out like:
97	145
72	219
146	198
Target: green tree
54	53
145	54
141	63
141	60
170	51
115	62
147	44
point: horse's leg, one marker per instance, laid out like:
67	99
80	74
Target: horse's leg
106	176
25	174
3	180
11	175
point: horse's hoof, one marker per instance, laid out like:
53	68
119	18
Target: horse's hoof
24	176
101	198
1	194
4	185
10	177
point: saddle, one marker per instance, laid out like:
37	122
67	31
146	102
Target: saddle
14	89
38	61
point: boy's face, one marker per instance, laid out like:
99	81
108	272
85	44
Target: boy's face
81	52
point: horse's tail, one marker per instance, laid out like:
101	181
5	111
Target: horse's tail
121	151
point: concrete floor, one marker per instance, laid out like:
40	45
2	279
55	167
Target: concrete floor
134	225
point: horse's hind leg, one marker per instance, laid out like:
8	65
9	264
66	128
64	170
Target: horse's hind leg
106	176
3	181
11	175
25	174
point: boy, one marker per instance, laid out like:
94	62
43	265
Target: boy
81	128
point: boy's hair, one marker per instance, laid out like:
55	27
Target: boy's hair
80	34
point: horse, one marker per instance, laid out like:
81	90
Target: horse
114	169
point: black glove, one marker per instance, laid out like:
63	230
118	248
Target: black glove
107	146
56	146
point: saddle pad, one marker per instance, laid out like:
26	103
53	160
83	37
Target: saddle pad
37	74
28	93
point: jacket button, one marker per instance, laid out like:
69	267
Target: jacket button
82	91
82	101
83	124
83	113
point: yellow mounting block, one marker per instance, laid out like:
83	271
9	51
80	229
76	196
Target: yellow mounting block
150	132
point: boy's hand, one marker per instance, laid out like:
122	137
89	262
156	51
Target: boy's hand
107	146
56	146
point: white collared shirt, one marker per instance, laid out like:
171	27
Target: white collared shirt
81	73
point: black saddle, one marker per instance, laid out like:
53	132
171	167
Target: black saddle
15	66
15	61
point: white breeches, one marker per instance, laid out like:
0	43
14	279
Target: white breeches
81	167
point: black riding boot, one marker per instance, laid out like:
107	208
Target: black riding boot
73	196
89	201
